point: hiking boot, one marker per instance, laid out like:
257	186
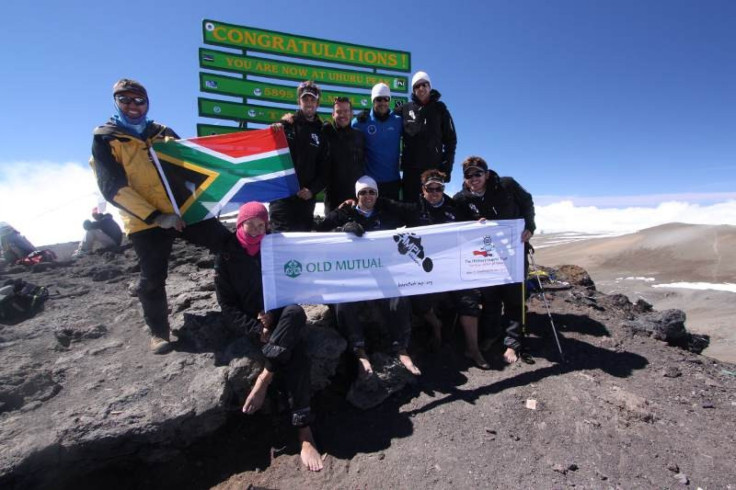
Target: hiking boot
160	345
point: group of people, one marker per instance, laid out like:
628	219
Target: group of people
380	170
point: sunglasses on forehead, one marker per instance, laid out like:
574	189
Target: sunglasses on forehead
125	100
370	192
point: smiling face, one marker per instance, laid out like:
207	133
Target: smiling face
433	192
342	113
308	105
367	198
421	90
132	104
380	105
254	227
475	179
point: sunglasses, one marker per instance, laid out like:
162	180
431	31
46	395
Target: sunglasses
438	188
382	99
370	192
421	84
474	175
125	100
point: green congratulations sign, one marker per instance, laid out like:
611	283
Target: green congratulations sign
213	129
218	84
219	60
240	112
243	37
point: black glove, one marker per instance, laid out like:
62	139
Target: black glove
397	105
354	228
362	116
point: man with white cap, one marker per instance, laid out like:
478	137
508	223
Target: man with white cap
429	136
372	213
309	155
382	130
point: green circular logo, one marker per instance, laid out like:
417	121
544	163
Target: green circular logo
293	268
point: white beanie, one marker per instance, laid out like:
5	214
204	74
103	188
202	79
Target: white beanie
365	182
418	77
380	90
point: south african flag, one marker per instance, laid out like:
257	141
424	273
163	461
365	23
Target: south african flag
216	174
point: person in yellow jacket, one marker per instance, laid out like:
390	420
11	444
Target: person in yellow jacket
129	180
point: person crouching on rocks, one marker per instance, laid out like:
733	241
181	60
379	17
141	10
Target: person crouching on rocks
102	230
240	294
369	214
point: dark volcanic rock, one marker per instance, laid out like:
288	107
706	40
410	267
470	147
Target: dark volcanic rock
80	392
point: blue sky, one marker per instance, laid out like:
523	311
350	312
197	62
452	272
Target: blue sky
607	103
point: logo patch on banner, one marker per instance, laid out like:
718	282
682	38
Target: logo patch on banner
293	268
410	244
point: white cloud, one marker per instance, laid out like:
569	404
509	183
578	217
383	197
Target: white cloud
47	201
566	216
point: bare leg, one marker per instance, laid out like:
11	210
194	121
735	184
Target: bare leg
510	356
310	455
470	329
258	393
364	364
408	363
431	318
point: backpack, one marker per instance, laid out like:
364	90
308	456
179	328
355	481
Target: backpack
20	300
38	256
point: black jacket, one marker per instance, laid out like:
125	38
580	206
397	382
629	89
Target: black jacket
387	215
308	151
239	288
447	212
504	199
429	135
107	224
345	162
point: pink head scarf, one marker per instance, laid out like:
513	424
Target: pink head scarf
253	209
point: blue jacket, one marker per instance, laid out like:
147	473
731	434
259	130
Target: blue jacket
382	145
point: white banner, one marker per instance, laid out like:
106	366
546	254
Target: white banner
317	268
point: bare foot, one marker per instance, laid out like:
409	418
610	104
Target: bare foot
310	456
510	356
408	363
258	393
365	370
478	359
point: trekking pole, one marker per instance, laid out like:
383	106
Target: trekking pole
546	304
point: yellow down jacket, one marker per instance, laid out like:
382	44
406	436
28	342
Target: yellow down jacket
126	174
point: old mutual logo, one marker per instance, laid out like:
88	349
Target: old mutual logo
293	268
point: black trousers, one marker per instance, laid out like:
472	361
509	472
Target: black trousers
291	214
286	356
411	184
396	313
465	302
502	314
153	247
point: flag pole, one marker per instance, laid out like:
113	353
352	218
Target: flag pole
154	157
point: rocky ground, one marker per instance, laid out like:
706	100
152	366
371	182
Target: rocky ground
83	404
